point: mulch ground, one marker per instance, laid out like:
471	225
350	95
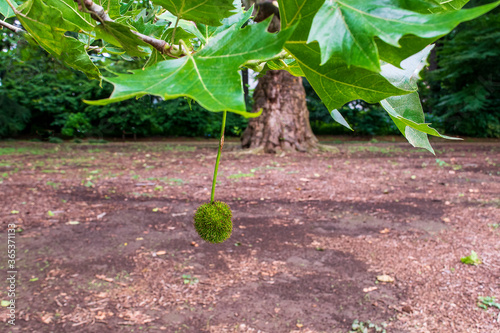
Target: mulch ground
106	242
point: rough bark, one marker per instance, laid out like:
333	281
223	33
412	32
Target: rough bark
284	123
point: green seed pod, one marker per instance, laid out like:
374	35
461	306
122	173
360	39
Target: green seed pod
213	222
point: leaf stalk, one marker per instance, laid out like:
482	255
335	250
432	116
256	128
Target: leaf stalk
221	144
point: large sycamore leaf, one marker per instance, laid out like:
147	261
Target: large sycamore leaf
347	28
406	111
335	82
47	27
70	12
211	76
209	12
40	11
300	13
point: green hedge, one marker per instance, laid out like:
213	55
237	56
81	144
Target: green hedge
38	94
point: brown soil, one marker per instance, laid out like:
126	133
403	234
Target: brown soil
108	243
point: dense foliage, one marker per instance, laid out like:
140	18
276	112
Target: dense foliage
38	93
348	51
464	90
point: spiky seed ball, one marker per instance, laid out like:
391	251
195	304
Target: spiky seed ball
213	222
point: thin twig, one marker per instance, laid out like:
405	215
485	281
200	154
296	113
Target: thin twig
173	32
11	27
99	14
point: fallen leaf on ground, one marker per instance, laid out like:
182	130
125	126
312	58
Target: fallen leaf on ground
47	318
472	259
385	278
385	231
368	289
107	279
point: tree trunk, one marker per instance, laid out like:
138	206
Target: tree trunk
284	123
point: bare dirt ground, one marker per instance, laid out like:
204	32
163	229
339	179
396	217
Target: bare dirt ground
106	243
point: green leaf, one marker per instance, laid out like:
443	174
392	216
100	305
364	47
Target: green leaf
406	111
336	83
348	28
5	9
187	26
149	29
202	11
337	116
239	18
52	17
472	259
125	6
211	76
445	5
405	107
411	102
410	45
112	7
408	75
487	301
47	27
70	12
120	35
300	13
289	65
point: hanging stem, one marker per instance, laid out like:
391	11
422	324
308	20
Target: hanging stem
173	32
221	143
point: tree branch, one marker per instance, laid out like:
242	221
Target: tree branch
99	14
11	27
